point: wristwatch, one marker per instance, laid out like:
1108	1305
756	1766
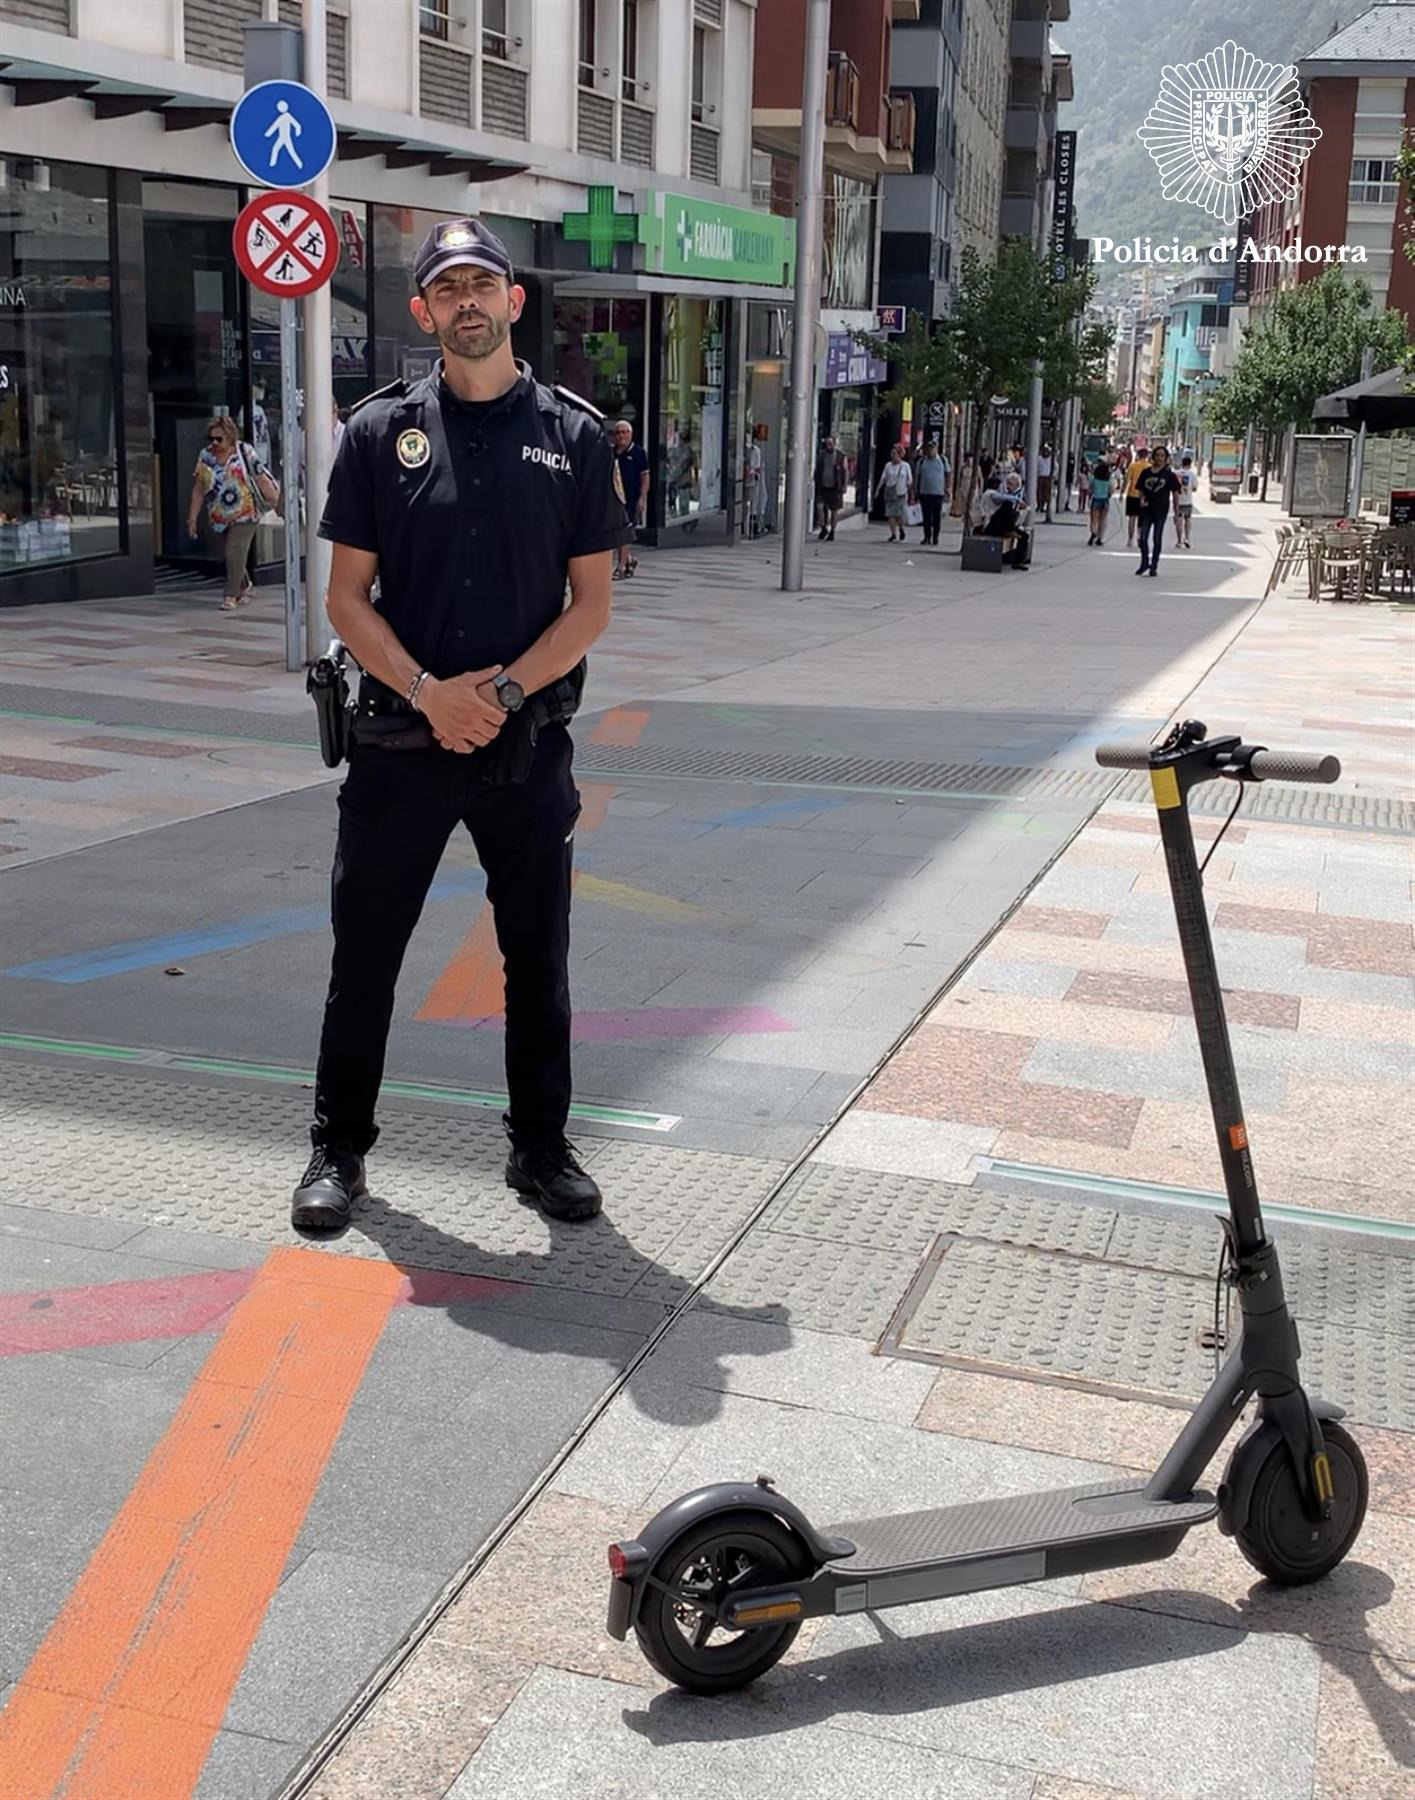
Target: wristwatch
510	693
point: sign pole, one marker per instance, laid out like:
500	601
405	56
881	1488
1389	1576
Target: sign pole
800	457
1358	460
319	381
290	485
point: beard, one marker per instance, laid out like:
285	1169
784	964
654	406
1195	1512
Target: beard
474	345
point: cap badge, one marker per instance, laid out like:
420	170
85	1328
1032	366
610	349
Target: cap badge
455	237
413	449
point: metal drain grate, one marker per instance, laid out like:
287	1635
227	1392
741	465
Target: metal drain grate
862	774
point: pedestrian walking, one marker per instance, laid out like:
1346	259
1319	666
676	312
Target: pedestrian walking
473	662
1184	502
932	482
231	487
1100	484
633	465
1136	467
1083	488
831	476
1159	490
896	483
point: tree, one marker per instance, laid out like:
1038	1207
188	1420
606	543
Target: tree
1098	403
1307	343
1006	316
1405	175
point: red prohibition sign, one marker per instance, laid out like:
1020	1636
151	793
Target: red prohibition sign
286	243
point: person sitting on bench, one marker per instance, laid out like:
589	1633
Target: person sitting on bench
1005	514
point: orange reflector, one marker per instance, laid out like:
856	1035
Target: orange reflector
763	1615
1238	1136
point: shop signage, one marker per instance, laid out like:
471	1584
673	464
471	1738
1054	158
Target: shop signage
283	134
891	318
1402	506
286	244
600	226
707	242
1063	205
847	365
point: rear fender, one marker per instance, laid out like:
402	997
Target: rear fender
680	1515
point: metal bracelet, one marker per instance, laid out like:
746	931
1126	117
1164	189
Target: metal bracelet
415	687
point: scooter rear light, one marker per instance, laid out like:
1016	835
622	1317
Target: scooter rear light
618	1562
626	1561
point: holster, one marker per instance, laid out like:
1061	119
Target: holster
328	686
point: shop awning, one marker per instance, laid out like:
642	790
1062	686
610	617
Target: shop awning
607	287
1384	402
35	85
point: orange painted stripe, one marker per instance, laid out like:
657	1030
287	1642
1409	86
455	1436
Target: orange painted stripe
473	985
127	1692
621	726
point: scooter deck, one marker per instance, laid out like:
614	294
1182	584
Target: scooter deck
1029	1537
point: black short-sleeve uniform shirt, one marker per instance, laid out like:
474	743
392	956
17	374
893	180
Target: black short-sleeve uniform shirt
474	512
1156	488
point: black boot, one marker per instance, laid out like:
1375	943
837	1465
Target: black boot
548	1172
328	1189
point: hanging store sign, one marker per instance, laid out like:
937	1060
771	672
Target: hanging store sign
685	236
1063	205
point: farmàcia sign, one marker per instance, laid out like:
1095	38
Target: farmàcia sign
707	242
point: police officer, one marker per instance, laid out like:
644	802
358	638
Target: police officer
432	490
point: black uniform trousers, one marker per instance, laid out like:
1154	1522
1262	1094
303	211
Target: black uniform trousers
397	809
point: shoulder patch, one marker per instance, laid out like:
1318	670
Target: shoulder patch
394	391
579	403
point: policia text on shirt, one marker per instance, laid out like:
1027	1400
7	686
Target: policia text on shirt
428	487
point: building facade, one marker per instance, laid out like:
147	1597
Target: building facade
608	141
1360	87
919	237
869	132
982	118
1039	81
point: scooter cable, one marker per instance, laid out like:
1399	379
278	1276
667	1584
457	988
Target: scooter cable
1232	814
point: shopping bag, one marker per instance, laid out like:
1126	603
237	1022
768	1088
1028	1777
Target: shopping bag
913	513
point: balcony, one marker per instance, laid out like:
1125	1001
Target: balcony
1031	41
1025	131
906	10
842	94
899	131
1017	216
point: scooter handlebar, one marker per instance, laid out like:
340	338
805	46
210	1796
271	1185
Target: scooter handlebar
1124	756
1294	765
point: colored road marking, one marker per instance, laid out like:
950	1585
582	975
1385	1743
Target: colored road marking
621	726
473	984
659	1022
177	1306
118	1312
405	1090
238	934
744	818
127	1692
624	898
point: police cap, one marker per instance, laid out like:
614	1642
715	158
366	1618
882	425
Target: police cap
456	242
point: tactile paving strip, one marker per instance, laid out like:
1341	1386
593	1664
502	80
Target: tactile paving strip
223	1159
1126	1326
1310	805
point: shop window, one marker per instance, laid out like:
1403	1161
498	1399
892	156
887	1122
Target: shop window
59	472
692	410
599	354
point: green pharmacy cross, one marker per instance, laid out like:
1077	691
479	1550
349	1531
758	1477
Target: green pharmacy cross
601	227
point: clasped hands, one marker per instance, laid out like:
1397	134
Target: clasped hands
464	712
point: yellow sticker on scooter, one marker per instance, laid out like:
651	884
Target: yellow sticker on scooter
1164	784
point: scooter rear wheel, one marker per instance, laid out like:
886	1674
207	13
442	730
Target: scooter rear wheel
677	1626
1279	1538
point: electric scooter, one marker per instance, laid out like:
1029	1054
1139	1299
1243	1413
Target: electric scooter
717	1586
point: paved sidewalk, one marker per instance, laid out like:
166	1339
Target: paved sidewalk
804	815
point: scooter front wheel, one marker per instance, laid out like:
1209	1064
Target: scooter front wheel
1280	1538
677	1626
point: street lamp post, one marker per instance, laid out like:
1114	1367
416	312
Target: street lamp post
809	232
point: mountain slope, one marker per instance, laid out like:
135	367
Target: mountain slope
1118	48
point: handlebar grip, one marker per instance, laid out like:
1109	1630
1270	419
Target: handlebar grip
1124	756
1294	765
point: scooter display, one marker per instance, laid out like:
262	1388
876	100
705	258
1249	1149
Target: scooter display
717	1586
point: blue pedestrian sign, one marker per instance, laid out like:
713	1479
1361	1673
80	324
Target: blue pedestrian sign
283	134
